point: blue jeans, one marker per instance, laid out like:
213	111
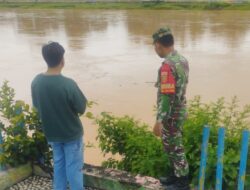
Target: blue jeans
68	164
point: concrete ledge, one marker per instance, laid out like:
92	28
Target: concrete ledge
39	172
96	177
110	179
14	175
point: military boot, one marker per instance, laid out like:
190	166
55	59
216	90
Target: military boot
181	183
169	179
166	181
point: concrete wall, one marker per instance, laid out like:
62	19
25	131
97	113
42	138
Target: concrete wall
14	175
97	177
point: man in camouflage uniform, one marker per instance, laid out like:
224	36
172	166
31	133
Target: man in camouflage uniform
171	108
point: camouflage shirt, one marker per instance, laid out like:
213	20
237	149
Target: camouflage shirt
172	82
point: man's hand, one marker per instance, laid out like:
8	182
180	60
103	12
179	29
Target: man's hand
157	129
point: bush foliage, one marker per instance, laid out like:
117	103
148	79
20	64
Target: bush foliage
23	139
141	152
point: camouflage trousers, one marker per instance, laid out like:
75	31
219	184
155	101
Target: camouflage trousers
173	145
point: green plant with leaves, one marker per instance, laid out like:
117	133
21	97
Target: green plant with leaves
141	152
23	139
216	114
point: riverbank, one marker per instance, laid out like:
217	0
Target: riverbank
138	5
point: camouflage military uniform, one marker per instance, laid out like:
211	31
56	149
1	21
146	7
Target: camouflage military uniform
171	103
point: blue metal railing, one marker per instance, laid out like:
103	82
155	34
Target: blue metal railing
203	163
220	154
243	159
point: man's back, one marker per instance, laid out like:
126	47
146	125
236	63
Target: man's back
59	101
180	69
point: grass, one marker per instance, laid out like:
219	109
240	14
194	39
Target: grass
138	5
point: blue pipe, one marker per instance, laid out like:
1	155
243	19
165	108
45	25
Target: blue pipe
243	159
220	155
203	162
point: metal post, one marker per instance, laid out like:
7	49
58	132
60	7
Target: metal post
220	155
243	159
203	162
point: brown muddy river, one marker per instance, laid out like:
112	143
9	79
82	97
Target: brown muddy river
110	55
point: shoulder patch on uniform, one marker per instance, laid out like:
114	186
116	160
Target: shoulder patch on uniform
168	82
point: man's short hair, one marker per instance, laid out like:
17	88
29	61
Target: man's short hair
53	54
164	36
166	41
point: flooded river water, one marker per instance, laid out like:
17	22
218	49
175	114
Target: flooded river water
110	55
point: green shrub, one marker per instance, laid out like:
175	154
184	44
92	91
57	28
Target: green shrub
215	114
23	140
141	152
216	5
